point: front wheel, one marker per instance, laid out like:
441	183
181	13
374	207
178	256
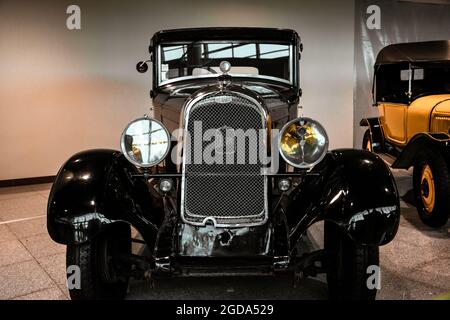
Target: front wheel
348	265
431	181
101	274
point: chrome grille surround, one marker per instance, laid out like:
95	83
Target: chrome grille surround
440	123
225	195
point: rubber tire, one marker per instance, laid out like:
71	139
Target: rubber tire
440	171
366	139
88	257
347	263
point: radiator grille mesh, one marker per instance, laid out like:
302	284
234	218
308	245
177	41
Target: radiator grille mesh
230	191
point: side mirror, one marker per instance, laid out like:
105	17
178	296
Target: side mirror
142	67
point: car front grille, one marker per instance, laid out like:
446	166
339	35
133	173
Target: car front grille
441	123
224	193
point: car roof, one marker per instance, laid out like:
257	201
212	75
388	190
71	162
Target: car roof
421	52
225	33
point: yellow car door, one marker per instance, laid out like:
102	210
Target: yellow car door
393	120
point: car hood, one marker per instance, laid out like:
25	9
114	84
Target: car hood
443	104
280	101
439	103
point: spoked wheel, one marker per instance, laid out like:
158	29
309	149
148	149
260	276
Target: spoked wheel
367	142
347	265
432	188
102	274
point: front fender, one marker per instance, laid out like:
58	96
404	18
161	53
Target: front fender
376	134
94	189
436	141
361	197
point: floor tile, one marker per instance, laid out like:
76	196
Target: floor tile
64	290
29	228
24	191
412	235
23	207
53	293
45	191
420	291
42	245
440	267
5	234
404	256
394	286
13	252
55	266
22	278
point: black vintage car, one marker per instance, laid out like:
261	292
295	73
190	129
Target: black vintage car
224	178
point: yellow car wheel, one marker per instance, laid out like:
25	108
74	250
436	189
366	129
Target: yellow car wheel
427	189
432	188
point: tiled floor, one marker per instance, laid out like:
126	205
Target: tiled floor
414	266
32	266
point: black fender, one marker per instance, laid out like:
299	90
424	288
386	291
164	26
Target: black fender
435	141
376	133
94	190
361	197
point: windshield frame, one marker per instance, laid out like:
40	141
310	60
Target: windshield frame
292	63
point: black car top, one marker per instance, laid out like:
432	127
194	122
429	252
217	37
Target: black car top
415	52
225	33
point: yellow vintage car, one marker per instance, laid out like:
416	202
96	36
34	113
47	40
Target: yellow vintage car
411	90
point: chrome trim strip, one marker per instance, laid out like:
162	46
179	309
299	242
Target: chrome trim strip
291	62
213	76
186	112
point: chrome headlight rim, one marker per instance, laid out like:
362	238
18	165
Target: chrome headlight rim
303	165
130	159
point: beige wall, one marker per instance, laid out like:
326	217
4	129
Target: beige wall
64	91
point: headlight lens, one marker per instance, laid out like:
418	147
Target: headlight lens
145	142
303	143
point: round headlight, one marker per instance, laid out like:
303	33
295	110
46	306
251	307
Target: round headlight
145	142
303	143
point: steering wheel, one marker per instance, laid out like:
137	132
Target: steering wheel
208	68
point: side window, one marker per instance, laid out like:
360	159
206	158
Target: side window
392	83
418	74
405	74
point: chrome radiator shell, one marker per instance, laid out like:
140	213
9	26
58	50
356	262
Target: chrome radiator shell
228	195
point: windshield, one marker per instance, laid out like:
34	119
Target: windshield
202	59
